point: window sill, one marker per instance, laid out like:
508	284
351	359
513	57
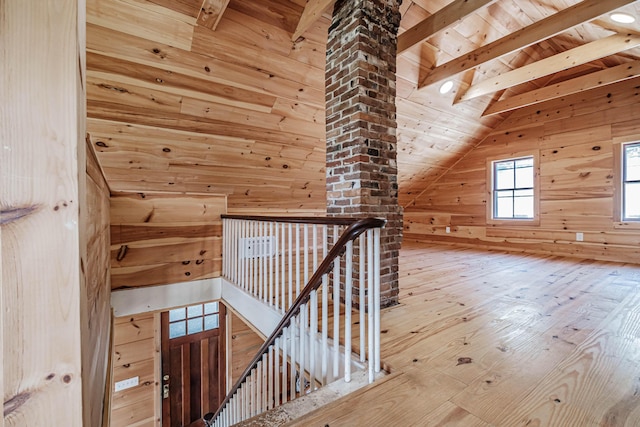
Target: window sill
632	225
515	222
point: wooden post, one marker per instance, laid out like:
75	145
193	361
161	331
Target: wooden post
42	132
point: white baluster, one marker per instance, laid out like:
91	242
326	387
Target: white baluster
276	238
290	249
348	256
284	365
361	293
370	290
336	318
271	257
313	330
297	261
376	302
292	379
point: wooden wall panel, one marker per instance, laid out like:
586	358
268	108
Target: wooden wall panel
42	173
245	343
161	239
136	353
236	111
575	137
96	331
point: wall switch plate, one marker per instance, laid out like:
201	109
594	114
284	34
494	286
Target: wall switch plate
579	237
447	230
125	384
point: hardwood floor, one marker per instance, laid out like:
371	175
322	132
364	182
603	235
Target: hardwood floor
502	339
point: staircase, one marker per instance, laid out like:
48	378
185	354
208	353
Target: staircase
323	275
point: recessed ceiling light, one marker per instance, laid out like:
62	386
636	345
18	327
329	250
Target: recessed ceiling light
622	18
446	87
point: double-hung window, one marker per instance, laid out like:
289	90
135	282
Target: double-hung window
631	182
513	189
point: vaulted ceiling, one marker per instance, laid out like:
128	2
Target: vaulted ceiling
227	96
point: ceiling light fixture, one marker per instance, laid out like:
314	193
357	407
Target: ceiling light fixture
446	87
622	18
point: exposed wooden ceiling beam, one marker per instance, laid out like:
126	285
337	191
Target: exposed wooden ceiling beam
310	14
534	33
211	13
609	76
446	16
556	63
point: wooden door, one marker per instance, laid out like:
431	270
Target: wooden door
193	363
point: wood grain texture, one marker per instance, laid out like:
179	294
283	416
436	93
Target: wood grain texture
245	343
163	239
96	331
484	338
575	138
135	355
41	169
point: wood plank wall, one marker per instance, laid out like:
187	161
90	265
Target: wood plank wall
159	239
177	106
136	354
576	138
42	174
245	343
96	295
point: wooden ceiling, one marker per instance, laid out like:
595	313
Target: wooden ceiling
227	96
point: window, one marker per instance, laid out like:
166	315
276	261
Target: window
631	182
513	195
193	319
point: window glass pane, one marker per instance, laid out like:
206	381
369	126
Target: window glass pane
525	162
632	201
504	204
194	310
194	325
632	158
177	329
524	177
176	314
211	322
210	308
503	175
523	207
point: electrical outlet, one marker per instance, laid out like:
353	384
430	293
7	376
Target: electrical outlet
579	237
447	230
125	384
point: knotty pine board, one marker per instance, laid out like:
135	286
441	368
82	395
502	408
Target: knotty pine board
244	345
535	328
135	354
97	331
165	238
574	137
43	212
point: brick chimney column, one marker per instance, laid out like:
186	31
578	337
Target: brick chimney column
361	123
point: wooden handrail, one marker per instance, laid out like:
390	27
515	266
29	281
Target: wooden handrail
355	229
324	220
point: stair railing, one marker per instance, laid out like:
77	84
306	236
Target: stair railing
304	352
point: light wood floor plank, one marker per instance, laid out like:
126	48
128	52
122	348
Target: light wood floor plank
489	338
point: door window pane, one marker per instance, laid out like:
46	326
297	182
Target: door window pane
211	322
176	314
177	329
210	308
194	310
193	319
